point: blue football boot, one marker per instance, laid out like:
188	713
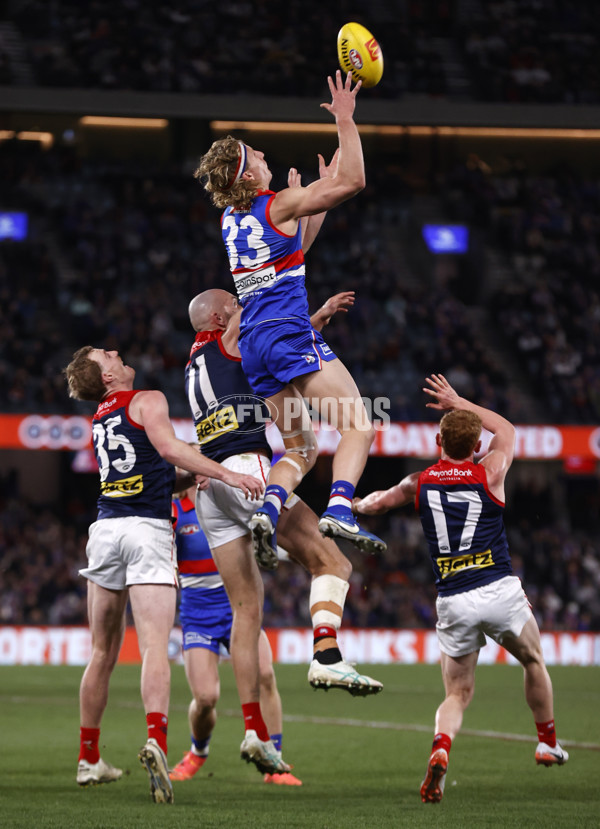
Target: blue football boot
331	524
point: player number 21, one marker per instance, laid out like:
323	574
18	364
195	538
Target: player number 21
474	507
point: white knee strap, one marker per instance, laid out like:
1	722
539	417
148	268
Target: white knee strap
297	467
328	589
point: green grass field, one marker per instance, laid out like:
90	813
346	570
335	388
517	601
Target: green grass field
361	760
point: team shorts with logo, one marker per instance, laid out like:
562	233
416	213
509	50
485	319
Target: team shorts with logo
273	353
130	550
223	511
495	610
206	619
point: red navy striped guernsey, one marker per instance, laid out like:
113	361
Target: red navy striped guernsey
134	478
463	524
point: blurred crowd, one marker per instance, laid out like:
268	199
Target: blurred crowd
511	50
118	250
262	47
547	226
533	51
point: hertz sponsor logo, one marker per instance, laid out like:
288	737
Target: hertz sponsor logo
451	565
123	487
217	424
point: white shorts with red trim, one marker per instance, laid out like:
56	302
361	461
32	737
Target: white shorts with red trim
131	550
223	511
496	610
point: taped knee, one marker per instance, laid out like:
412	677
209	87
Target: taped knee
301	449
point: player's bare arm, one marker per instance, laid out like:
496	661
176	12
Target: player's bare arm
501	450
293	203
338	303
383	500
151	410
311	225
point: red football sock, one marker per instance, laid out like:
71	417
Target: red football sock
546	733
88	745
441	741
157	727
253	720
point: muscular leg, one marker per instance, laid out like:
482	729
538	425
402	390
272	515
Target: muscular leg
340	404
291	416
106	610
333	391
270	700
331	570
527	648
153	607
300	537
458	674
202	672
239	571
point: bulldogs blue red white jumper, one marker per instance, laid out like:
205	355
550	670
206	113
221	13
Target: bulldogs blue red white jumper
463	524
277	341
205	612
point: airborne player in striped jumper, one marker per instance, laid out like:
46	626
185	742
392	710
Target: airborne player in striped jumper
284	358
461	506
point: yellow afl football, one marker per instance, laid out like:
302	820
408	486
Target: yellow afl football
359	53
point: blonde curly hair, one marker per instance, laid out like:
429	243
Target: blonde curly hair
216	171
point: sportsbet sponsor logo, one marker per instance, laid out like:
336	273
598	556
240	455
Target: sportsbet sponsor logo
123	487
451	565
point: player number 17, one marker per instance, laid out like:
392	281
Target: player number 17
474	507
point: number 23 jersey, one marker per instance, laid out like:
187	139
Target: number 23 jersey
134	478
463	525
267	264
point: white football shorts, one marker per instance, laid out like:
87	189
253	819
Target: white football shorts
223	511
131	550
494	610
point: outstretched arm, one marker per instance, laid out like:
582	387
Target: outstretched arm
150	409
502	445
321	195
339	303
383	500
311	225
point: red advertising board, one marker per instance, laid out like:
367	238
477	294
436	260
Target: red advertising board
536	442
385	646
